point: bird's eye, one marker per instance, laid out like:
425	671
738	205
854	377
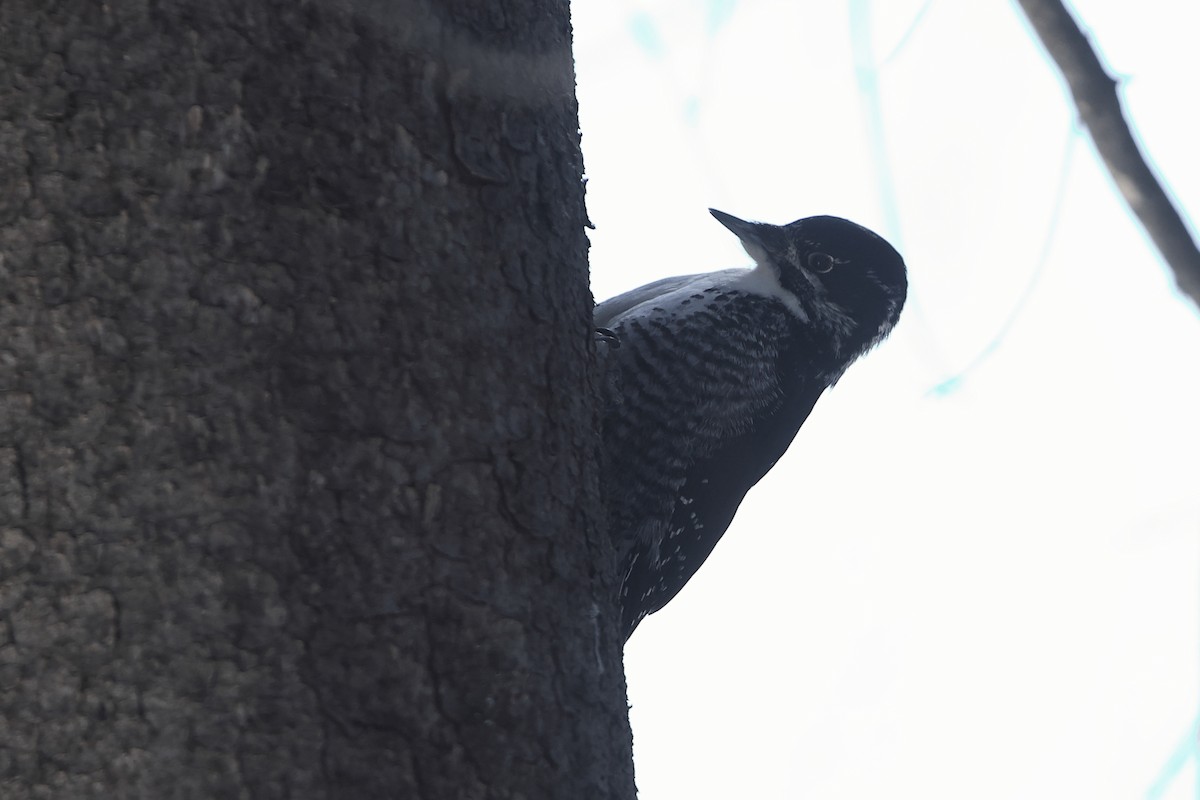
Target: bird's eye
820	262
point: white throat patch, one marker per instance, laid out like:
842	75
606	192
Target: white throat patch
763	280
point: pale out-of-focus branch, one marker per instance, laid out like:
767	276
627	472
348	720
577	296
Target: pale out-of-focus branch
1095	94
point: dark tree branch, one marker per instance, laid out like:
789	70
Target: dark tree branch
1095	94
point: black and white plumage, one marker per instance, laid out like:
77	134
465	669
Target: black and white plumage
710	376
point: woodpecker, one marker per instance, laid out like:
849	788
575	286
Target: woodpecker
707	378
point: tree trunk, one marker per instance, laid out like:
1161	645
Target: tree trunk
297	487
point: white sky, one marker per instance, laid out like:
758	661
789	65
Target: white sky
989	591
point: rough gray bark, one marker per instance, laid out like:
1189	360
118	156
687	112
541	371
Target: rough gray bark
297	496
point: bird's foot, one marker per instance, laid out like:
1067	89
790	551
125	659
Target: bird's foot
608	337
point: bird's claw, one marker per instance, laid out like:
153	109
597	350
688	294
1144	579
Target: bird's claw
608	337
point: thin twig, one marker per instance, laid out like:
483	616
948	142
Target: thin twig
1095	94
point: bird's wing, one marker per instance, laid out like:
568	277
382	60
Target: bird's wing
666	292
606	313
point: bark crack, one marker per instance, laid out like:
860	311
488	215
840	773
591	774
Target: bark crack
23	480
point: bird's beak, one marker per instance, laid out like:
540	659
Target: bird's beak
745	231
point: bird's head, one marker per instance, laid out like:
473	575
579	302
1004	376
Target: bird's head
846	278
